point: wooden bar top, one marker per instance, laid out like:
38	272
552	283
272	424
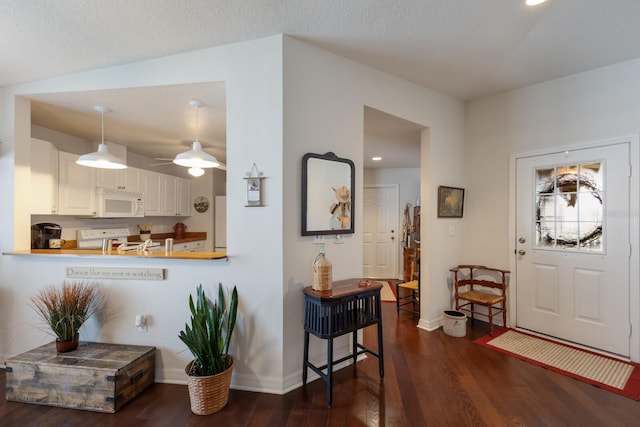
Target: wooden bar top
342	288
114	253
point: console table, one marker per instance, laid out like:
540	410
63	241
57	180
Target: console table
350	305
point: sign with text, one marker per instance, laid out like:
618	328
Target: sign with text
115	273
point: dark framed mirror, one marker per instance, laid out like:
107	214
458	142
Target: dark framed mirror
328	184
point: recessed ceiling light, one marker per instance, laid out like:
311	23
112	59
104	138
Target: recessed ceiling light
376	159
534	2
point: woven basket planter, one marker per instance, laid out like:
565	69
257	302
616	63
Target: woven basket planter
209	394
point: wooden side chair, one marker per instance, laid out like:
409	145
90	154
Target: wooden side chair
408	293
472	286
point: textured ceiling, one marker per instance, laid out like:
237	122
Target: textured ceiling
463	48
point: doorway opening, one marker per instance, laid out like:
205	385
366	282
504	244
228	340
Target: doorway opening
391	186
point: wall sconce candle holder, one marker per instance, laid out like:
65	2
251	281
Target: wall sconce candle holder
254	187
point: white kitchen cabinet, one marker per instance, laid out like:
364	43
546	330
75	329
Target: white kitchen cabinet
129	179
76	186
175	195
151	190
183	197
197	246
133	180
44	178
166	195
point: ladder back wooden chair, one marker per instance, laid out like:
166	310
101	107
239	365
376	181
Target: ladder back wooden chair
483	286
408	293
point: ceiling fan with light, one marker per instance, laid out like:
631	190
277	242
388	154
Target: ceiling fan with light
166	161
195	159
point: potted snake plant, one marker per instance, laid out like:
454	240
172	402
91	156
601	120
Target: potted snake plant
208	337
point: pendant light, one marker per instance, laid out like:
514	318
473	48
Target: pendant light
196	158
102	158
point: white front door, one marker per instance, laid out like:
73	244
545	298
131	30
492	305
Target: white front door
380	232
573	246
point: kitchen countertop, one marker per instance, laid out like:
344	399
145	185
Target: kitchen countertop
188	237
158	237
130	254
70	249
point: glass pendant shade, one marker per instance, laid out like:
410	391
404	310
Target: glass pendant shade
196	171
101	159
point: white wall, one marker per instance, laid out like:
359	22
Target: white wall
408	180
324	102
253	72
583	108
285	98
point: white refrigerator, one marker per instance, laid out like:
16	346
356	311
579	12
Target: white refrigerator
220	224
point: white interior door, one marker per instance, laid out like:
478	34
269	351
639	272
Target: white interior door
380	232
573	246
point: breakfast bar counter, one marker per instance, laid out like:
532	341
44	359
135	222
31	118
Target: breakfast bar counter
98	253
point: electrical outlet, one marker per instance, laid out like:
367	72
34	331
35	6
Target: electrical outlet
141	323
318	240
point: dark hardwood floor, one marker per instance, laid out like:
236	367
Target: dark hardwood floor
431	379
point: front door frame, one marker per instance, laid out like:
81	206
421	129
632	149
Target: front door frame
634	231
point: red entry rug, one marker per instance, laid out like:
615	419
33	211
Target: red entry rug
605	372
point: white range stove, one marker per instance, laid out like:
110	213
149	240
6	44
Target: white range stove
92	238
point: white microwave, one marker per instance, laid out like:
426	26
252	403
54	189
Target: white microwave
118	203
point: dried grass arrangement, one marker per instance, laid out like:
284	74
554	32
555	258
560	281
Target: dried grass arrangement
65	308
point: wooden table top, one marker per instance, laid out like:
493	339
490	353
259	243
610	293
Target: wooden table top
342	288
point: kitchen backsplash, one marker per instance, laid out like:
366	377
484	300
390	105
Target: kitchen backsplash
71	224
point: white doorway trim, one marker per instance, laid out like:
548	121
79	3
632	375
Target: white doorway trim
634	231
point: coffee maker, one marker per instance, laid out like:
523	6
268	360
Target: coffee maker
42	232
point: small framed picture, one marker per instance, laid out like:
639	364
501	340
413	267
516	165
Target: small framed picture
254	187
253	191
450	202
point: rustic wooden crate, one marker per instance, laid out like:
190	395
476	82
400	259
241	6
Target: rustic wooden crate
97	376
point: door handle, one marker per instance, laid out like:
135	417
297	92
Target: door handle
521	252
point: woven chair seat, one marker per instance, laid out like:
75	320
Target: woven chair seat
413	285
481	297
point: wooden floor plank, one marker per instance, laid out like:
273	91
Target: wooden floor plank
431	379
